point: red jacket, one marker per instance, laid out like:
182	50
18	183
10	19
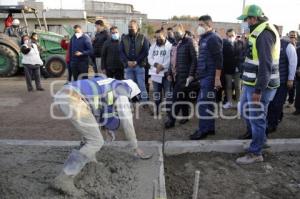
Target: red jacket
65	45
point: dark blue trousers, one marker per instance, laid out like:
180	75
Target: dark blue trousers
276	106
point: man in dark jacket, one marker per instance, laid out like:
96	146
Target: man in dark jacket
210	62
100	37
230	68
80	49
134	49
111	63
182	73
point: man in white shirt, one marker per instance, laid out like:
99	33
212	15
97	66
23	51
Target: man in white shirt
159	58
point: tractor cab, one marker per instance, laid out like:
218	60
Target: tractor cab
15	26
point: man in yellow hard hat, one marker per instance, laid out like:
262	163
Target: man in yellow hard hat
260	79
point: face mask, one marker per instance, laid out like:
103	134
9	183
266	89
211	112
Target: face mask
178	35
245	27
231	39
200	30
26	41
78	34
115	36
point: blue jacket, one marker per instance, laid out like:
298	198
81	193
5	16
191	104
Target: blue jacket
101	94
210	55
82	44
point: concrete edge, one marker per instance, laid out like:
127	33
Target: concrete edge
227	146
161	192
72	143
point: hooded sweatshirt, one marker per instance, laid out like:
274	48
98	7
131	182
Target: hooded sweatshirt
160	55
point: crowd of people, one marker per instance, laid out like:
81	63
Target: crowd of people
180	63
253	72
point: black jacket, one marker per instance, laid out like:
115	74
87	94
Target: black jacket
186	61
100	38
111	55
229	61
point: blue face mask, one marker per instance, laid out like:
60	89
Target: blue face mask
115	36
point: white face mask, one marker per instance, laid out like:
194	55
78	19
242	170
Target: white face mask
231	39
26	42
245	27
78	34
200	30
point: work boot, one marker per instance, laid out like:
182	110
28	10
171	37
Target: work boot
245	136
250	158
169	124
65	184
197	135
270	130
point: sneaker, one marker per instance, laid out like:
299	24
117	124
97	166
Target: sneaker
250	158
228	105
40	89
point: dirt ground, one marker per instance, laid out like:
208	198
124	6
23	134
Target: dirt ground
222	178
27	116
27	172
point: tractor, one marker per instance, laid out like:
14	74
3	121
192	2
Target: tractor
52	54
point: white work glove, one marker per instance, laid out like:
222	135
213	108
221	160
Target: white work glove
189	80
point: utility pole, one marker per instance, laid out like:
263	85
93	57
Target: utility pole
244	5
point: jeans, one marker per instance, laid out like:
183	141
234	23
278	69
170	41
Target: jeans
80	68
206	99
137	74
276	106
297	100
255	116
157	92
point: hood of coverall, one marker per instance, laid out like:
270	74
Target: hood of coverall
134	88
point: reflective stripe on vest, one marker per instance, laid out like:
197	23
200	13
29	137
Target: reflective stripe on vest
251	63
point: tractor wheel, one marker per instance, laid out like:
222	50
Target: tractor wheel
8	62
56	66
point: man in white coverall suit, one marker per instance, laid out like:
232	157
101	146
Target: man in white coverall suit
88	103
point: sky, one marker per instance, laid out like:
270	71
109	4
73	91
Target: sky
286	13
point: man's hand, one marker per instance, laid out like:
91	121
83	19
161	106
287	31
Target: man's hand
169	78
78	53
159	68
140	154
256	97
218	83
189	80
290	84
131	64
